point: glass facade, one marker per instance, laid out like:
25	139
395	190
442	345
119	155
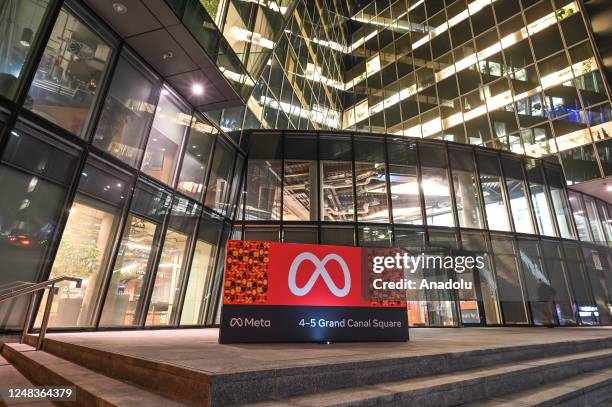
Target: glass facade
516	76
450	125
385	191
113	177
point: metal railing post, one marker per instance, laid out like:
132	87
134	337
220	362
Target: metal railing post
45	321
28	317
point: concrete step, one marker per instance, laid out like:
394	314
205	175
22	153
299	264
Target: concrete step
253	385
585	390
457	388
10	377
174	382
92	389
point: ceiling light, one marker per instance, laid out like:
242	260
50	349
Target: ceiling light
608	187
120	8
168	55
197	89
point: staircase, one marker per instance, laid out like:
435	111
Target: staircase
574	373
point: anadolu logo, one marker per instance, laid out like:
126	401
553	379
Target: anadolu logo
320	271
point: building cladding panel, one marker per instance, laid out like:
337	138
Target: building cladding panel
425	125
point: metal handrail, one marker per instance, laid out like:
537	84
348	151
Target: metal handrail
13	284
35	290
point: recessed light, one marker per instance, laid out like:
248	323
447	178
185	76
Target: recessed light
120	8
609	187
197	89
168	55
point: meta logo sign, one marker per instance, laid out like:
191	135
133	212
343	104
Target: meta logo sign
320	271
296	292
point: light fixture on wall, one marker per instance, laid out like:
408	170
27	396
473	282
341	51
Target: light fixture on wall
26	37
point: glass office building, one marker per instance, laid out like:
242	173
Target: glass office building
425	125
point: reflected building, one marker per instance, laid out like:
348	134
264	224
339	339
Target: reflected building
458	126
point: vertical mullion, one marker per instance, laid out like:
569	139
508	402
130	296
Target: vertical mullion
421	191
451	186
505	193
388	185
528	196
356	241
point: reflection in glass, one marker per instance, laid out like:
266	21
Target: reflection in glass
263	199
476	244
403	179
196	157
83	252
517	194
579	282
220	172
594	222
370	181
598	268
490	181
580	164
337	191
605	215
126	113
578	211
23	19
86	246
441	306
510	286
539	199
172	263
467	196
199	278
37	176
559	283
538	284
300	195
165	139
559	201
167	279
435	186
127	280
375	236
68	77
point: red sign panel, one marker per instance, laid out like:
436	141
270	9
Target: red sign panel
266	273
284	292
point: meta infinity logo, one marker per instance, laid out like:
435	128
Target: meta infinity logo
320	271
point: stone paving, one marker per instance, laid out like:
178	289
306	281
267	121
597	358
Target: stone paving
198	349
